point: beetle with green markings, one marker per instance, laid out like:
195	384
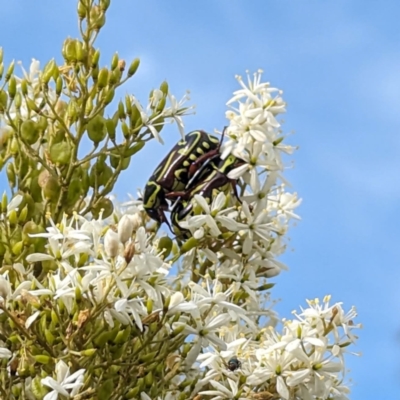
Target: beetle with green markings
211	179
175	171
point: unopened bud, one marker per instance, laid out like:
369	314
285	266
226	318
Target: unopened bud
48	71
24	87
164	87
121	110
104	4
29	131
111	243
133	67
125	228
109	96
111	128
12	87
125	130
121	65
81	10
102	78
10	70
114	61
97	129
80	51
95	58
3	100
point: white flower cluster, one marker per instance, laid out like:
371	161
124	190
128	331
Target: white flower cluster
214	311
304	361
257	226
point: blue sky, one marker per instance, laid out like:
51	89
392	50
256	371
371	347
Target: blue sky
338	63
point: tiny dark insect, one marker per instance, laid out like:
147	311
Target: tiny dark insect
234	364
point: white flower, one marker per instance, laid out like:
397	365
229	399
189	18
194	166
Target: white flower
65	384
5	353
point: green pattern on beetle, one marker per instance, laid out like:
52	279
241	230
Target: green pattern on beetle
175	170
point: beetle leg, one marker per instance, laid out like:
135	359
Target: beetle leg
174	195
235	192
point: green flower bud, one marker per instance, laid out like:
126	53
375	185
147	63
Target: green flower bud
266	286
161	104
111	128
59	85
50	186
115	159
61	153
164	87
1	54
3	100
128	104
109	96
24	87
165	246
177	331
81	10
102	78
69	50
42	359
11	175
95	73
122	336
74	191
133	67
97	129
125	130
88	352
149	379
114	61
61	108
105	390
17	248
14	147
50	338
104	4
105	176
133	393
1	69
4	202
12	87
114	77
80	51
10	70
149	305
134	148
95	58
29	131
121	110
23	214
32	105
48	71
18	101
104	204
42	123
189	245
29	228
145	358
97	17
72	111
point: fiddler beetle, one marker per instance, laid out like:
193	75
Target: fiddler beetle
176	169
234	364
211	179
